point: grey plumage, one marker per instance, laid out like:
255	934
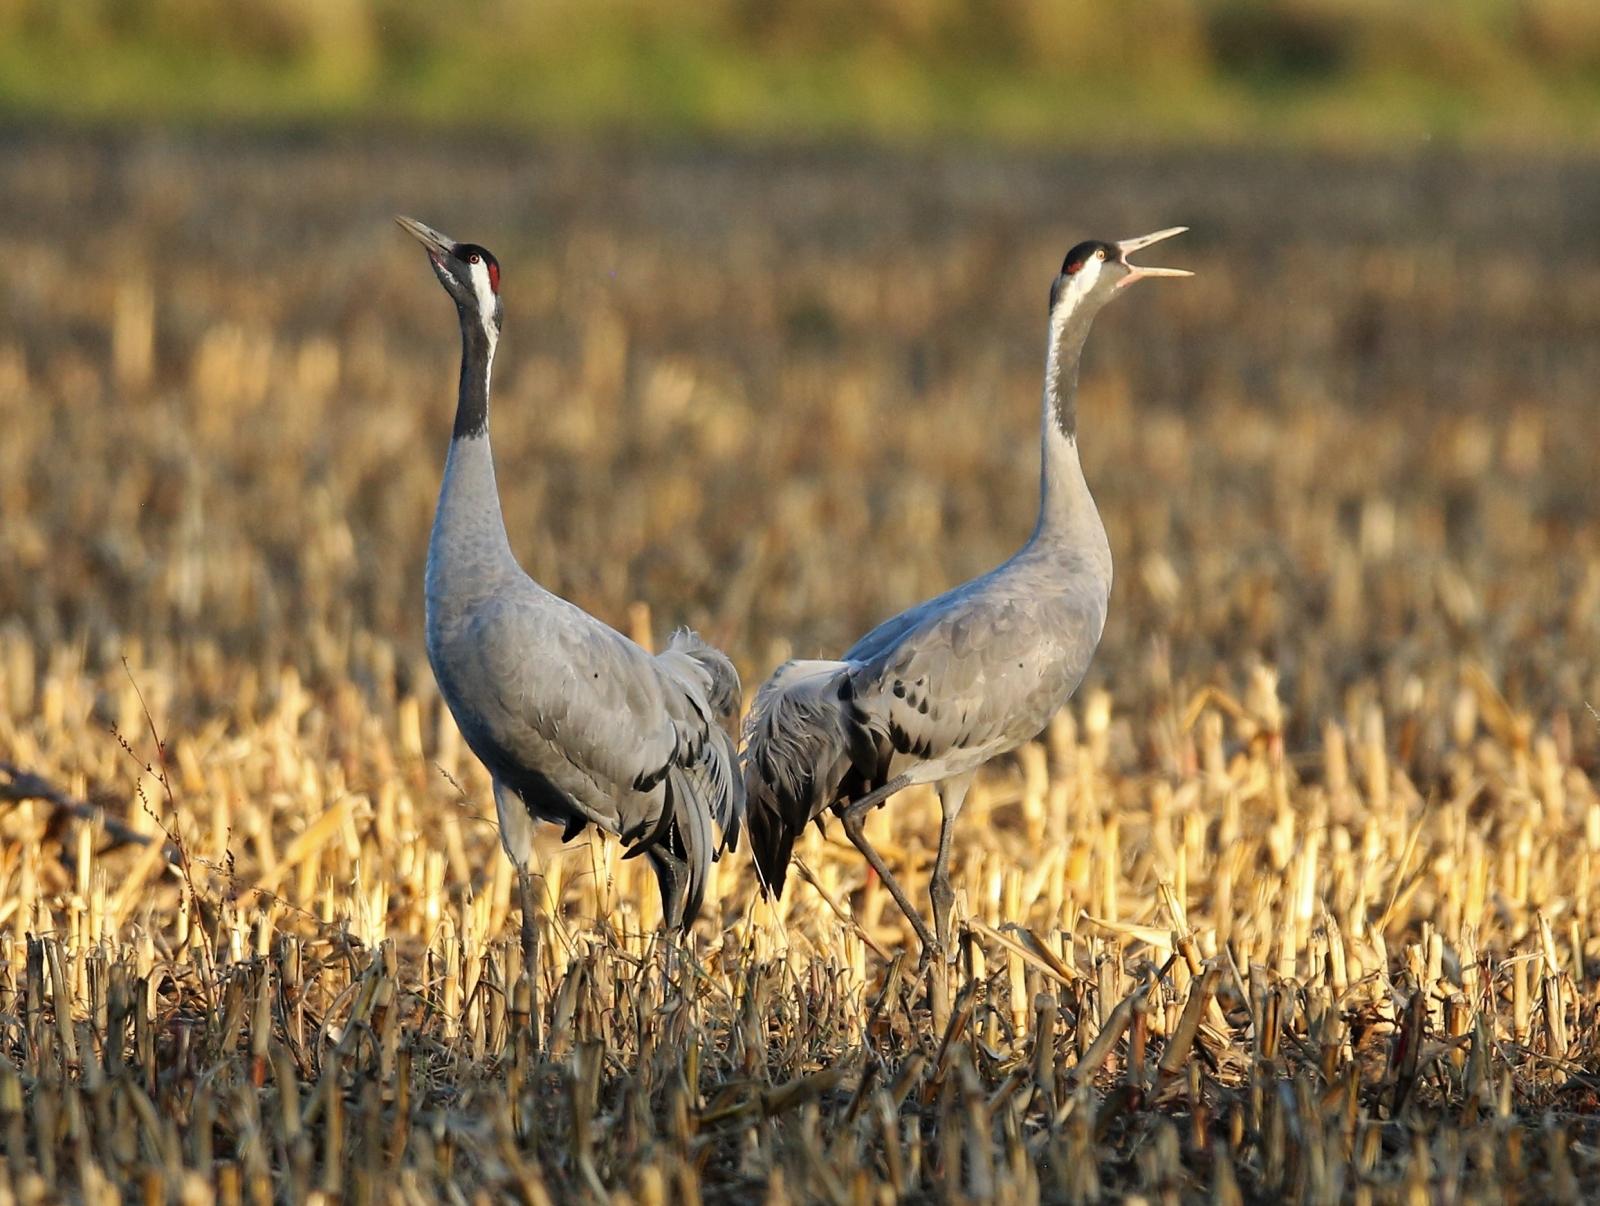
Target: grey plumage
932	694
577	724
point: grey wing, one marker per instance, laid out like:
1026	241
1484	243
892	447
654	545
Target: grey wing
977	677
584	706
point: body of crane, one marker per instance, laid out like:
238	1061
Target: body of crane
932	694
577	724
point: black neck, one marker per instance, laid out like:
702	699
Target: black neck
472	406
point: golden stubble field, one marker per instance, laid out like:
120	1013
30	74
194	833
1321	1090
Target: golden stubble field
1296	900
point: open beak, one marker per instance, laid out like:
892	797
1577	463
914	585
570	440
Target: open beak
1138	272
437	244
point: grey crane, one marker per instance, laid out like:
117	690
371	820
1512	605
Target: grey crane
932	694
577	724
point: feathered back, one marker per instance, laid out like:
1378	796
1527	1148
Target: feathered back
706	671
689	658
797	752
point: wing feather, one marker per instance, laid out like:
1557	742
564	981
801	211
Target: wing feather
606	721
977	678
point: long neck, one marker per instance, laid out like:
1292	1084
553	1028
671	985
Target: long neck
1066	508
477	357
1069	328
468	548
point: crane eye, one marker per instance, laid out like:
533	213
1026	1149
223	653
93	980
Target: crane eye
1079	256
474	258
1100	253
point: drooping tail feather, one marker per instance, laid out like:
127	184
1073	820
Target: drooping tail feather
692	830
683	846
797	752
714	779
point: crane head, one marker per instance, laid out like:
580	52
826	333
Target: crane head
469	273
1094	270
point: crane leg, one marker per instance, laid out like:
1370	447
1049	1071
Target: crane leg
860	808
530	947
852	818
952	795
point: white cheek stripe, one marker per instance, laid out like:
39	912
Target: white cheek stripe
480	284
485	292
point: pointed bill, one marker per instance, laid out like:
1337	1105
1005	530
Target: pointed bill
1128	246
430	238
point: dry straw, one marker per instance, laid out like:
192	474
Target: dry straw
1296	900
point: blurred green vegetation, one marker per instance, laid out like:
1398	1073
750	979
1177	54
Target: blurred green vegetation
1025	71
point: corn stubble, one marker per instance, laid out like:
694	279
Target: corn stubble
1227	932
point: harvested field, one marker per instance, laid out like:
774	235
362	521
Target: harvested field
1296	900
